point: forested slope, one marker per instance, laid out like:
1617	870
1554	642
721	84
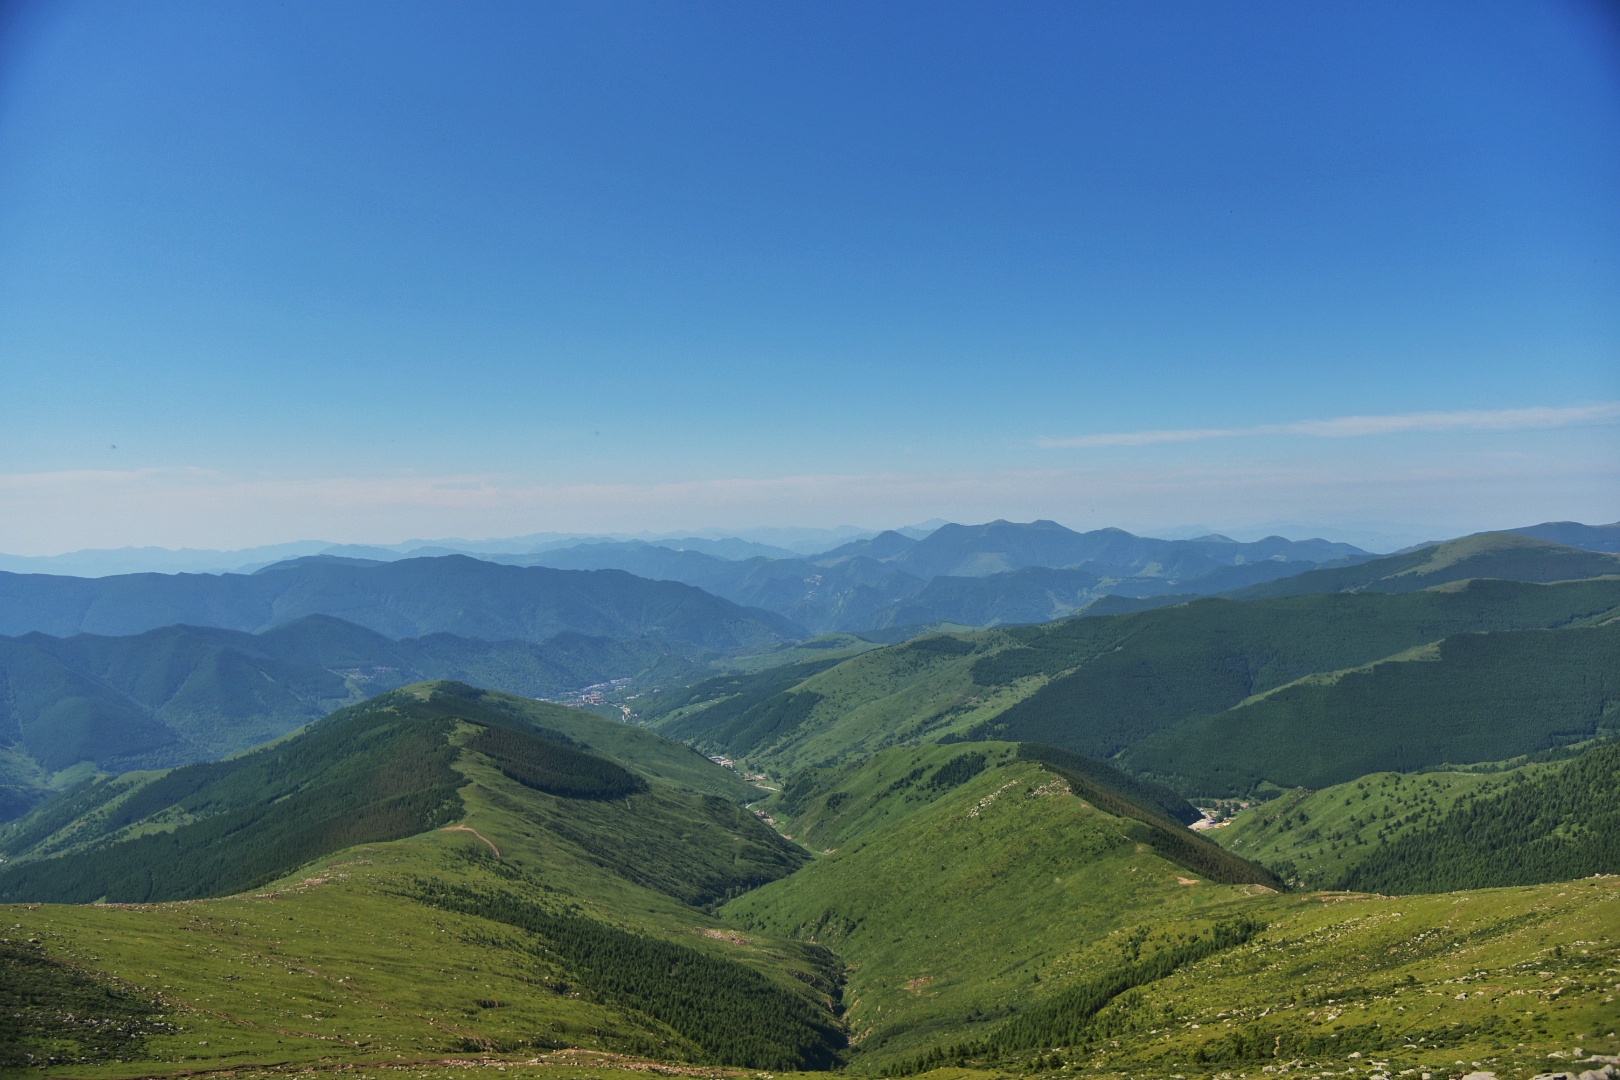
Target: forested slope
1511	556
186	693
1099	685
1556	825
383	770
1470	697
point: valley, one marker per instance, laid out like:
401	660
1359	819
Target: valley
963	853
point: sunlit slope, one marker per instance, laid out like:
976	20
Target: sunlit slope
1518	982
531	920
1504	555
353	960
379	771
1468	698
834	806
1098	685
75	706
1561	824
1438	831
979	922
949	904
1312	838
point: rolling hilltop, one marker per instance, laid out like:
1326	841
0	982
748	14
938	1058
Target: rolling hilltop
1443	830
516	887
1484	555
75	705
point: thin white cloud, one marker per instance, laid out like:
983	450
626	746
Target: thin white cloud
1344	427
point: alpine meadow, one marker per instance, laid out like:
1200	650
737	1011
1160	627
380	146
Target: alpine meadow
586	541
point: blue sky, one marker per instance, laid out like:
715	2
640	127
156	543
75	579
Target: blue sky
366	271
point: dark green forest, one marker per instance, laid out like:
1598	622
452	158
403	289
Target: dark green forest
554	767
1118	680
726	1012
1476	697
1560	825
379	771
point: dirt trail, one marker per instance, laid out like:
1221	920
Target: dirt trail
475	832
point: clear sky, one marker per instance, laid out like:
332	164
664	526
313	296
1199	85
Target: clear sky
365	271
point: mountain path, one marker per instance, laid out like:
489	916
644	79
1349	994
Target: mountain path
475	832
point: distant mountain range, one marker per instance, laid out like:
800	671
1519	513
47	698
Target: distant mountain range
977	575
149	670
102	562
451	594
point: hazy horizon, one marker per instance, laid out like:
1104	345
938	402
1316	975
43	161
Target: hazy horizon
270	272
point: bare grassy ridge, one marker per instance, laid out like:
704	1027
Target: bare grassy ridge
961	912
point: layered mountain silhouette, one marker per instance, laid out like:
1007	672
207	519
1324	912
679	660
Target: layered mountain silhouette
451	594
979	575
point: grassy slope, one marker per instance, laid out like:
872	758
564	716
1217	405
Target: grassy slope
830	808
181	694
105	809
1469	698
341	962
951	908
1496	979
896	695
950	923
1442	830
338	965
824	647
1562	823
1314	837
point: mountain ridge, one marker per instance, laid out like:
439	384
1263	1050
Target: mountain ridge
407	598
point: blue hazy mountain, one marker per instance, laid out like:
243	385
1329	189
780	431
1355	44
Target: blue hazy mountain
452	594
978	575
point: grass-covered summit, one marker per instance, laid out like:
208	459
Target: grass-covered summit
390	768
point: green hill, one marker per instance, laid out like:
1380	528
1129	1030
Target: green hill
958	874
589	902
184	693
1098	685
1468	698
1008	924
1439	831
574	873
1554	825
1313	838
378	771
1575	534
1510	556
